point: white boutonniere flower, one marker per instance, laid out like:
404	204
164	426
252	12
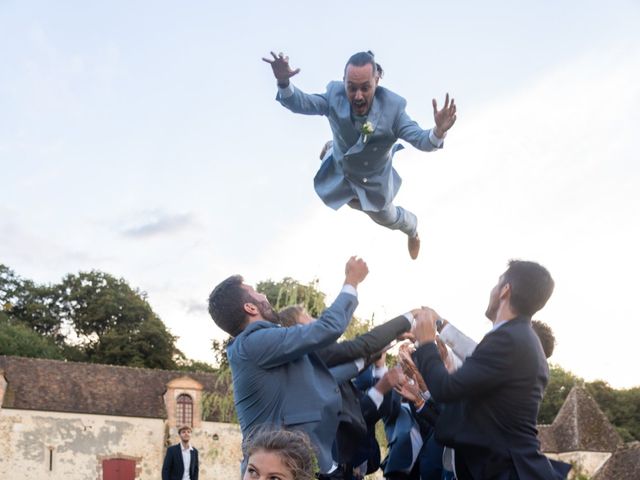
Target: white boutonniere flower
367	129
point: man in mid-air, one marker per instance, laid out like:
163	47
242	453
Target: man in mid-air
366	121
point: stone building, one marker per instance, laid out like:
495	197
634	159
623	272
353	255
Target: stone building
65	420
582	435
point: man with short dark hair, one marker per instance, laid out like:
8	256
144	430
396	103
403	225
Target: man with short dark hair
181	460
366	121
278	379
491	402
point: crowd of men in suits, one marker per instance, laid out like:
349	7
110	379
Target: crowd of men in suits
451	408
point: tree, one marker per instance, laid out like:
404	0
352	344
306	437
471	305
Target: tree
560	384
32	305
148	345
291	292
18	339
91	316
622	407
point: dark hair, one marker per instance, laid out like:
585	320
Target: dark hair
545	334
531	286
289	316
293	448
361	59
226	305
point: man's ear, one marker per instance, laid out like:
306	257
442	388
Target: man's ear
251	309
505	292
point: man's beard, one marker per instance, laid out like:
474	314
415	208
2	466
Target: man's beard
268	313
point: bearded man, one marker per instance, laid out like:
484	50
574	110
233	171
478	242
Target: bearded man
366	121
278	380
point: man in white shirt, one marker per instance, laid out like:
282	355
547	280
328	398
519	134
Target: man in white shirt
181	460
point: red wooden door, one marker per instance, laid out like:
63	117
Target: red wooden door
118	469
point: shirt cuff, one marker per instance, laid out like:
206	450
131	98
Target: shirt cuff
379	372
288	91
375	396
435	141
412	321
359	364
350	289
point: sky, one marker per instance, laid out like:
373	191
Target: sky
143	139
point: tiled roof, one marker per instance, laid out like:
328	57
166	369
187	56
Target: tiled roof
579	426
60	386
624	464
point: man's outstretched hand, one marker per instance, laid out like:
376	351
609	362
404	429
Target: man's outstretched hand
281	69
444	118
355	271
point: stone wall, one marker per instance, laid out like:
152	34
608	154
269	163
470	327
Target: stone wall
586	463
38	445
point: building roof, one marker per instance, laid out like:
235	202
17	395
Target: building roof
580	425
624	464
60	386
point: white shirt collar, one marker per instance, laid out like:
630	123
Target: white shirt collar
497	325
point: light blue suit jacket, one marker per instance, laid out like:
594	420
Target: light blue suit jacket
279	381
360	169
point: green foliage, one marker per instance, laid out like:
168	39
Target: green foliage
357	327
187	365
622	407
30	304
148	344
560	384
222	403
289	292
20	340
91	316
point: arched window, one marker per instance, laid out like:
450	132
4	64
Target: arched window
184	410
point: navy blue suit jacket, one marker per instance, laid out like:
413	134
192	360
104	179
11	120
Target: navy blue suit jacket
173	466
279	380
492	402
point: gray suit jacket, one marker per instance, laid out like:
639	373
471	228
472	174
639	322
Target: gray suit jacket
360	168
278	380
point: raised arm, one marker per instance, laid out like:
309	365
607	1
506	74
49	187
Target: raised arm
291	97
427	140
281	69
482	371
367	344
270	347
461	345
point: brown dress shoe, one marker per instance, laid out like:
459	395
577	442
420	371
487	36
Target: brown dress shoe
414	247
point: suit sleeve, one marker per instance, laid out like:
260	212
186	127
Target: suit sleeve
167	464
304	103
344	372
196	469
271	347
409	131
429	412
366	344
461	345
485	369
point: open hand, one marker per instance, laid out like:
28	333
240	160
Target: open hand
444	118
281	69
